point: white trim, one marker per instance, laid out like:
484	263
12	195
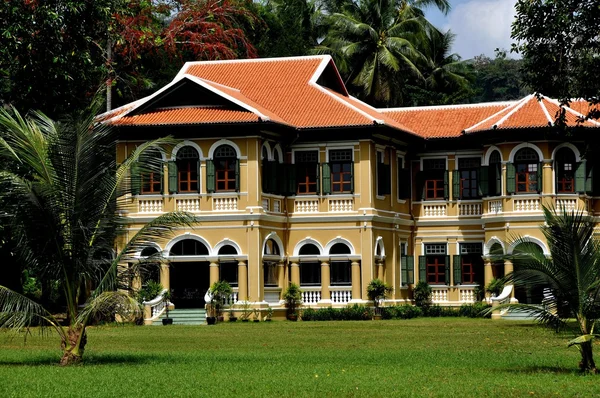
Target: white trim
488	154
567	145
223	141
184	236
528	238
138	255
545	110
336	240
186	143
269	154
307	240
307	149
277	148
514	110
327	149
456	157
379	242
573	111
511	157
445	157
439	107
227	242
273	236
488	245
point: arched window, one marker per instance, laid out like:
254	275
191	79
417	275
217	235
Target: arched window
270	265
495	174
189	247
565	170
228	269
187	164
310	271
152	180
530	293
528	171
226	169
496	252
341	274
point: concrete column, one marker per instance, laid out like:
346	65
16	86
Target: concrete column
295	271
487	272
281	282
165	278
380	269
325	281
356	288
508	268
214	272
242	280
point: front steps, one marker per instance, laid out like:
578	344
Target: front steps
187	316
516	315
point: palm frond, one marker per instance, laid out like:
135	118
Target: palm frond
108	304
18	312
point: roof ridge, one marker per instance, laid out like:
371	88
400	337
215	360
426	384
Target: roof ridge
514	110
545	110
187	64
452	106
576	113
354	108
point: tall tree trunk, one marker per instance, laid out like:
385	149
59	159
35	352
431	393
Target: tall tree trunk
73	348
587	363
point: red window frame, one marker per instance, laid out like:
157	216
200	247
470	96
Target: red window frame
523	178
151	183
341	177
468	269
307	178
436	269
434	189
187	175
225	174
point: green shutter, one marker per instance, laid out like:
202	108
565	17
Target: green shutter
272	182
422	268
483	180
540	177
210	176
237	175
352	177
447	269
318	166
498	175
446	187
579	178
162	178
403	271
589	181
172	167
291	187
455	185
457	266
410	267
265	176
136	178
511	183
326	179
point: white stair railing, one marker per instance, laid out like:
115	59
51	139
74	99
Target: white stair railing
156	306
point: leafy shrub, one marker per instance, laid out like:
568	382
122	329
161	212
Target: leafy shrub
422	296
351	313
474	310
495	287
150	291
405	311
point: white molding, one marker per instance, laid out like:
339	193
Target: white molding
336	240
273	236
227	242
186	143
567	145
184	236
511	157
223	141
488	245
488	154
528	238
307	240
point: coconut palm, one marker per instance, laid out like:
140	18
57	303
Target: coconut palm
61	192
570	276
373	42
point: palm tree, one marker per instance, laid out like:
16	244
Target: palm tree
61	195
571	277
373	41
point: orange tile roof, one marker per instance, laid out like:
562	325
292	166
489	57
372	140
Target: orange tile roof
188	115
529	113
443	121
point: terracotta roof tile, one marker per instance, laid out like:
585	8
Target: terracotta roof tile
188	115
443	121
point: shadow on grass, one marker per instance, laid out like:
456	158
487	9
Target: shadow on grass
88	360
559	370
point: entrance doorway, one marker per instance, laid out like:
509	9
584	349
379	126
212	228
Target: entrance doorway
189	283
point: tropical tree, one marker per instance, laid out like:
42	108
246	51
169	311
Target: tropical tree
62	194
570	277
374	41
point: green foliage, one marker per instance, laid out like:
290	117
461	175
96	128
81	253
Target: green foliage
149	291
405	311
354	312
479	293
422	296
293	299
559	44
378	290
495	286
221	291
497	79
32	288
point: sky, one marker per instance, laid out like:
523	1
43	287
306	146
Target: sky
480	26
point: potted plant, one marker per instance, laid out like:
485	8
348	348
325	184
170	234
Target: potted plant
245	310
377	290
221	291
232	317
422	296
256	315
269	314
293	300
166	298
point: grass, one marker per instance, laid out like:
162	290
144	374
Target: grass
419	357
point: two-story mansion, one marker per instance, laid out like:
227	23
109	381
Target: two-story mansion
293	180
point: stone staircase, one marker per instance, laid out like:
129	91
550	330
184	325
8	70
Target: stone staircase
187	316
516	315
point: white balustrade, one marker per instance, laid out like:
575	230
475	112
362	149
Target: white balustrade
527	205
150	206
434	210
495	206
439	295
231	299
341	205
277	206
311	295
469	209
341	295
306	206
225	204
567	205
265	204
272	296
466	294
190	205
157	305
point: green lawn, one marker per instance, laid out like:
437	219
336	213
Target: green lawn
419	357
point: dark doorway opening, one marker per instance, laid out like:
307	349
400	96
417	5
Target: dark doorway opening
189	283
